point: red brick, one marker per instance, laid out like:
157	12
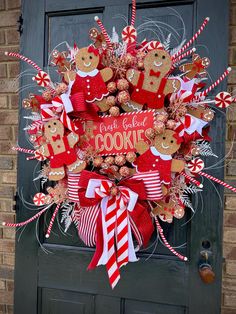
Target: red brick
232	35
232	76
10	309
3	101
7	246
6	147
9	177
7	297
6	191
7	217
230	268
9	117
6	205
231	168
9	18
232	56
13	4
5	132
2	284
226	310
6	163
230	300
230	219
3	57
2	5
8	259
2	36
12	36
233	15
3	70
230	235
231	132
13	69
9	85
9	233
10	285
229	251
14	101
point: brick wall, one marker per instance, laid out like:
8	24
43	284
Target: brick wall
229	244
9	69
9	40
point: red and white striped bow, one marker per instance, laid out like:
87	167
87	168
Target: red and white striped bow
116	203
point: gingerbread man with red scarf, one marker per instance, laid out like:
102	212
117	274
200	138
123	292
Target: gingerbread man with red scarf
151	86
158	157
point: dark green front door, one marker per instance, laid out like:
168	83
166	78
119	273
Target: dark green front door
53	278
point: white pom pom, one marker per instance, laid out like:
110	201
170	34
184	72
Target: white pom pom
96	18
185	259
33	78
6	53
229	69
201	186
47	236
207	18
3	223
194	49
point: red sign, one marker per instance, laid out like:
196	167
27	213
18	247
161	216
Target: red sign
118	135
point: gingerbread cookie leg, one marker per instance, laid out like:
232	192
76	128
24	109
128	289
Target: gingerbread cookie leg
131	106
56	174
77	166
103	106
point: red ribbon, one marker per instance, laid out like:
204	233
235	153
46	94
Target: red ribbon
153	73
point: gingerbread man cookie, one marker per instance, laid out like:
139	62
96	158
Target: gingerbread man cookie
197	67
60	150
151	86
167	208
88	79
159	156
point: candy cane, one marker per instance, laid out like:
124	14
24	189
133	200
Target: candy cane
20	224
191	41
187	53
21	57
160	230
52	220
23	150
133	16
217	82
104	32
226	185
191	179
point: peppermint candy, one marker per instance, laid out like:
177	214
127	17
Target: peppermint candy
129	34
223	100
42	79
39	199
154	45
196	165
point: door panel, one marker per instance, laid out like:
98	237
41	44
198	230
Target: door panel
159	283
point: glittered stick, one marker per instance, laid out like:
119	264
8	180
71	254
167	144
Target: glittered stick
19	56
160	230
226	185
217	82
191	41
52	220
186	54
133	16
104	32
191	179
20	224
23	150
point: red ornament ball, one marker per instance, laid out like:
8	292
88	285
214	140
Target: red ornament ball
114	111
130	157
122	84
123	97
124	171
120	160
111	87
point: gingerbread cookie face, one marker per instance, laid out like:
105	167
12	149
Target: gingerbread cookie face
86	61
158	60
52	128
167	143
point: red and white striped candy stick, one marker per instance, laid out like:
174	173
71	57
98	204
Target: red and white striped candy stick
191	179
52	220
160	230
217	82
186	54
20	224
104	32
23	150
226	185
191	41
133	16
21	57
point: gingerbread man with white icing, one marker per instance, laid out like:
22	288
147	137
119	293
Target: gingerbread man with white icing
60	150
88	79
151	86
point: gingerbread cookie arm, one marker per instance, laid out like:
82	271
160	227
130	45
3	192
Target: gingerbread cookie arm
132	76
106	74
44	150
141	147
73	138
172	86
177	165
69	76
